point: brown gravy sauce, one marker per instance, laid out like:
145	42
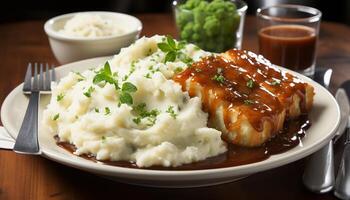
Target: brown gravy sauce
290	136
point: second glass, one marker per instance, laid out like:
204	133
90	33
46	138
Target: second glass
214	26
288	36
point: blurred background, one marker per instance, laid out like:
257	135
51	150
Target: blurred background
43	9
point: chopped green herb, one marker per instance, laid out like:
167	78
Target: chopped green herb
275	82
103	138
129	87
250	83
170	57
125	78
55	117
81	77
60	97
89	91
184	58
107	111
140	108
171	111
126	98
133	66
152	121
151	115
152	69
181	44
137	120
148	75
97	110
248	102
105	74
178	69
219	78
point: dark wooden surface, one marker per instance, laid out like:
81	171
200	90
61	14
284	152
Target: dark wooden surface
33	177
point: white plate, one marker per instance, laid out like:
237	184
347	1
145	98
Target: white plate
324	117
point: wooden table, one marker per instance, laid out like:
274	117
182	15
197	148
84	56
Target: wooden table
33	177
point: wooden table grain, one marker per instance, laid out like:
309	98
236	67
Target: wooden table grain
36	178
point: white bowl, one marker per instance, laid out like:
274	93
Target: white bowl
68	48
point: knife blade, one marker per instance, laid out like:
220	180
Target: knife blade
343	102
342	184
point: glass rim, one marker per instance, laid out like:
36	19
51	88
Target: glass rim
305	9
241	9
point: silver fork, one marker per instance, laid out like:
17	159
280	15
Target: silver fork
27	139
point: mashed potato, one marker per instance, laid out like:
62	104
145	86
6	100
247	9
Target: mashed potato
90	26
159	125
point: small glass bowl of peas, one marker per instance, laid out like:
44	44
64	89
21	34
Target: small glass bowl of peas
212	25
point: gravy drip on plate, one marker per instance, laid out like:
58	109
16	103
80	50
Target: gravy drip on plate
290	136
244	82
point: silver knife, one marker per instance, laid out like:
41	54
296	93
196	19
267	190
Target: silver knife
319	169
342	184
343	102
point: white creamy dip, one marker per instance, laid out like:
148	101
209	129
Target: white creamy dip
91	26
163	125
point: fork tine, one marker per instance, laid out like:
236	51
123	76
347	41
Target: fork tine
41	78
28	79
53	73
47	78
35	80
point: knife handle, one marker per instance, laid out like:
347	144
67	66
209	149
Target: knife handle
319	170
342	184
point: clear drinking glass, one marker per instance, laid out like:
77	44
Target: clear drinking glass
288	36
214	26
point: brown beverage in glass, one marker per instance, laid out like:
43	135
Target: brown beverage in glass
291	46
288	36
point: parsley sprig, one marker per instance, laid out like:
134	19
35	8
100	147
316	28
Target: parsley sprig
105	74
172	50
125	96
